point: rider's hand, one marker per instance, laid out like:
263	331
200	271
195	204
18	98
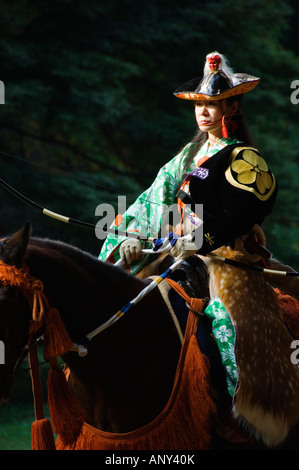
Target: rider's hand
130	250
184	247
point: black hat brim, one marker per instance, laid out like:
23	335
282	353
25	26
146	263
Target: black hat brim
190	91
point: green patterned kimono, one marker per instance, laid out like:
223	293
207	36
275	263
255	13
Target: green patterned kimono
224	334
151	208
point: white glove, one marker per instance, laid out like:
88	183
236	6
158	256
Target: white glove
130	250
184	247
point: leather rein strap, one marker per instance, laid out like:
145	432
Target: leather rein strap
36	382
194	304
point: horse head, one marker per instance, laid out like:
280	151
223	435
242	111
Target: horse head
14	309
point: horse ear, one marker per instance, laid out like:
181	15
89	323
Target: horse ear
14	249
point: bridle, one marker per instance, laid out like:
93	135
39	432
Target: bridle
10	276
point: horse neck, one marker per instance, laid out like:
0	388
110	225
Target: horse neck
132	355
84	290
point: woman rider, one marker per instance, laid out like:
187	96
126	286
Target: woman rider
219	169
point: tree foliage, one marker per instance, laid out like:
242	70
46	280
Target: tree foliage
89	109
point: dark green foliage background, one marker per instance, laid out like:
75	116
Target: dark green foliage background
89	110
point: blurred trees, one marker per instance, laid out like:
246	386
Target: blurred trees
89	112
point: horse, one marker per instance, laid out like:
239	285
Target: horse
129	378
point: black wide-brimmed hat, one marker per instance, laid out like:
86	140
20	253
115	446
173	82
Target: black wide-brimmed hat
218	82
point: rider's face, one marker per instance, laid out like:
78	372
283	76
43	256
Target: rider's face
209	116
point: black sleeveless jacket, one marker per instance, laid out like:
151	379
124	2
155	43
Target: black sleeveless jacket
237	190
